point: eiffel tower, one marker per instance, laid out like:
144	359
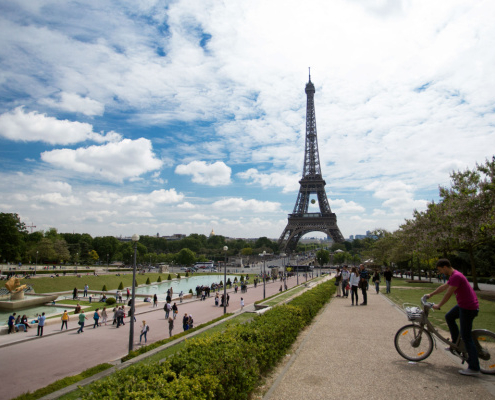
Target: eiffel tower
300	221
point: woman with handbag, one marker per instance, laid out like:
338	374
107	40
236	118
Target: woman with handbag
354	283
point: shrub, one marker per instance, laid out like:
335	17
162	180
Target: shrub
104	289
187	274
111	301
178	276
148	282
169	278
223	365
121	286
242	278
159	278
190	291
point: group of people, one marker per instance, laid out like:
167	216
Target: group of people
358	278
16	323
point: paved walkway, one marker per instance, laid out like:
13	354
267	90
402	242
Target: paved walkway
29	362
349	353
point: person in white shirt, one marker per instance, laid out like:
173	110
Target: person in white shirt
345	281
354	282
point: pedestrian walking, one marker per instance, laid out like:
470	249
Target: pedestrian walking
144	332
155	301
96	318
376	281
74	294
191	322
175	310
65	320
128	293
167	309
345	281
242	303
82	318
354	283
364	279
104	316
388	278
86	287
181	296
170	326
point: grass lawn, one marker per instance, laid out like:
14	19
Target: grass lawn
68	283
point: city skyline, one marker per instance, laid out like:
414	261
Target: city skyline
187	116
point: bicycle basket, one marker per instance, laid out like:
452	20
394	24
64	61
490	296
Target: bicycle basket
414	313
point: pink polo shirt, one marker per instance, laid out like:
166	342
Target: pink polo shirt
465	295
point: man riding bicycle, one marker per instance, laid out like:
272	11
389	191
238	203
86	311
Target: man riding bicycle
466	310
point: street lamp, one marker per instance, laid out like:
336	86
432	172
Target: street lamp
36	265
264	273
135	239
285	269
225	248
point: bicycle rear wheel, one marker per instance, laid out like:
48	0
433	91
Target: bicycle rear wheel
485	345
413	343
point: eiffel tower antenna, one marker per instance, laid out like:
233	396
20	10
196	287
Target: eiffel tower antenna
301	221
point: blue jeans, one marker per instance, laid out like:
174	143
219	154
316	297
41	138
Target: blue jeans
345	292
388	286
466	318
141	336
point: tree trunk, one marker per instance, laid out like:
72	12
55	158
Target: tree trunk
473	269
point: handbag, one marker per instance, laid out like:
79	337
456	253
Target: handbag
336	283
347	287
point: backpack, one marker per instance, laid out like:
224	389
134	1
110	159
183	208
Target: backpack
147	328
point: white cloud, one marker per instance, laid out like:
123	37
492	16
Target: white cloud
113	161
186	206
18	125
74	103
57	199
340	206
216	174
288	183
237	204
140	214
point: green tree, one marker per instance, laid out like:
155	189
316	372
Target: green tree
12	232
322	257
185	257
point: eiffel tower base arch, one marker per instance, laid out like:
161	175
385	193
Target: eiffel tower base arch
298	226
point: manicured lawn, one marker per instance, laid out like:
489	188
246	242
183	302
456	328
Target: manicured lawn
68	283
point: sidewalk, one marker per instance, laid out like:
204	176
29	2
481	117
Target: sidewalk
29	362
349	353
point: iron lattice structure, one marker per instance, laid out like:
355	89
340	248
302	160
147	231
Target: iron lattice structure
301	221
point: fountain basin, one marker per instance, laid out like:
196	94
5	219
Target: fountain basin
28	301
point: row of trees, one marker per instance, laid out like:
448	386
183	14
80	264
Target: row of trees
461	226
18	245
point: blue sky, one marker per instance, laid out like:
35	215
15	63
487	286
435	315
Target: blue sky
186	116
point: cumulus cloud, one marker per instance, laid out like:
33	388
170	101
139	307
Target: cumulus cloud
113	161
74	103
216	174
20	126
236	204
288	183
57	199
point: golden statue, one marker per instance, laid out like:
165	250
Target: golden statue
14	286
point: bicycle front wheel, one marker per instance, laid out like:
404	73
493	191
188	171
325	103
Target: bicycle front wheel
485	345
413	342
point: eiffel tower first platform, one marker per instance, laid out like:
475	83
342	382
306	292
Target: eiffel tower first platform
312	183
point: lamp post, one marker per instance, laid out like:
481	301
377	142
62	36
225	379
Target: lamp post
36	265
135	239
225	248
285	269
264	273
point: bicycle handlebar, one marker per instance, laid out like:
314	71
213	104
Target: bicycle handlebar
426	303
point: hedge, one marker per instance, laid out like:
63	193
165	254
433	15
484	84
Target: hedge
225	365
